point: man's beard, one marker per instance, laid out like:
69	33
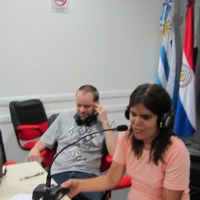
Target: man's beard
87	116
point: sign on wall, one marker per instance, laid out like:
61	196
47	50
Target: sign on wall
60	6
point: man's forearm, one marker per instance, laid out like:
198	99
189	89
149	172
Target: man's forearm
40	145
111	139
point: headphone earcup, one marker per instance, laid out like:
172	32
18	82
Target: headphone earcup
79	122
165	120
127	112
91	120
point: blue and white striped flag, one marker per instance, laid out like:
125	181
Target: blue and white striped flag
167	62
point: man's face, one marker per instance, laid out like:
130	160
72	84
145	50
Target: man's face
85	104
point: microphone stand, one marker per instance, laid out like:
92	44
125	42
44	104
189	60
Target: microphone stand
52	192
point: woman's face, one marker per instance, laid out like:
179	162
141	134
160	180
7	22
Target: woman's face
143	123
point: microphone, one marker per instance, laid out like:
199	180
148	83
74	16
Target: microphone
122	128
52	192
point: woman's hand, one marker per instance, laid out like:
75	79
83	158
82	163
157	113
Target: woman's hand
74	185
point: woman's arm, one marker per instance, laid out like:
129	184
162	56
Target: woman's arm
171	194
177	171
101	183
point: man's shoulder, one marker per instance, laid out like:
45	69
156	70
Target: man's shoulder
65	118
67	113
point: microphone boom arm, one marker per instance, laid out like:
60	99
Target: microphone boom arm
52	192
48	179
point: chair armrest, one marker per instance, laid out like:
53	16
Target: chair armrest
28	132
24	127
9	163
105	163
108	158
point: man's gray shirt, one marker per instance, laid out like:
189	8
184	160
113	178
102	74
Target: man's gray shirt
84	156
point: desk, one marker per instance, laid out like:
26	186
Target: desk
11	185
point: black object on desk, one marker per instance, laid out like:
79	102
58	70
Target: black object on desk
2	148
1	162
53	193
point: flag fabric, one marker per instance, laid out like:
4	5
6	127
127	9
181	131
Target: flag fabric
167	61
185	120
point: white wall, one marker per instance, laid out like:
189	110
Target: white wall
96	42
111	44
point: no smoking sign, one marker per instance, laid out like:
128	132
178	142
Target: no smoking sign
60	6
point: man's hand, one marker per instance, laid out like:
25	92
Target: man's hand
102	113
111	139
34	155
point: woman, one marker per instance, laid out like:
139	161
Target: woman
156	160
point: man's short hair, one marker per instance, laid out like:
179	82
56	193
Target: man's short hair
89	88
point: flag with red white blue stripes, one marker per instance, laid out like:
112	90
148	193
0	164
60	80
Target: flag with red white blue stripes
185	120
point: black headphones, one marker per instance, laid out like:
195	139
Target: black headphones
89	121
163	121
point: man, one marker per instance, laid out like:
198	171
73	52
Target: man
83	159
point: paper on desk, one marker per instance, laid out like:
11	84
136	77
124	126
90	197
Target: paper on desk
21	196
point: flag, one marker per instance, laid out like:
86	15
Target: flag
167	61
185	120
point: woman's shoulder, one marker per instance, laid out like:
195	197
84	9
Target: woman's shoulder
176	141
177	153
124	136
177	145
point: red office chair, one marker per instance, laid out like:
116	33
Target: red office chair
29	121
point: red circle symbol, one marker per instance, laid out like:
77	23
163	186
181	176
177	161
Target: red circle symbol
60	2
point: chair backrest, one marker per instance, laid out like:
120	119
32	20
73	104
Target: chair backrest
27	112
52	118
194	151
29	120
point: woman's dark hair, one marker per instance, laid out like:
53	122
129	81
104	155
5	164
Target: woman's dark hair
155	98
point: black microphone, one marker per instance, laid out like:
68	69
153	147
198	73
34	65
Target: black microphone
52	192
122	128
